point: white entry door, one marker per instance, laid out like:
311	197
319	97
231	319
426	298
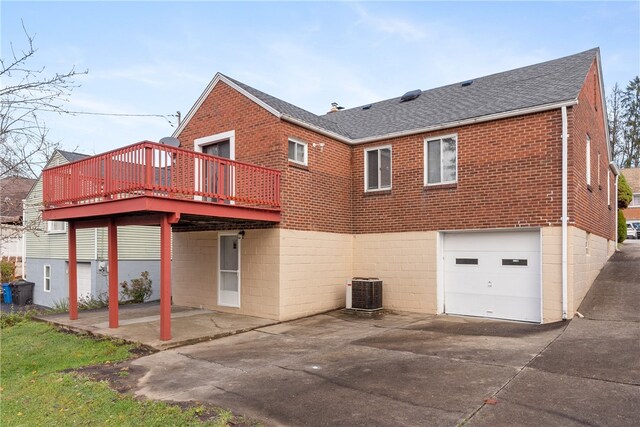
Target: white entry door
84	279
229	270
493	274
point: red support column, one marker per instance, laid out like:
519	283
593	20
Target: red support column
73	272
165	278
112	231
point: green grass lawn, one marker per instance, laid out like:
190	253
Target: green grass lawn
35	391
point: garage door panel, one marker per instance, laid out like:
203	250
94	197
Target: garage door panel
493	274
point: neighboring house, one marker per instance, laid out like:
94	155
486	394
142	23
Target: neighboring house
46	250
632	175
13	190
493	197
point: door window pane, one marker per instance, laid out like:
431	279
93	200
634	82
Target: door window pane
229	281
229	253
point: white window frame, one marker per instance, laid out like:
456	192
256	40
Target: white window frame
297	142
588	160
608	188
426	159
46	282
51	229
633	205
198	145
599	184
366	169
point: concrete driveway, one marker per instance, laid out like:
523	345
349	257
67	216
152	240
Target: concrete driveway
406	369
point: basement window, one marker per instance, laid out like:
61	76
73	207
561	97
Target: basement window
47	278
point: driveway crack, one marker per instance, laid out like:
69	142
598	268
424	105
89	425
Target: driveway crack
349	387
518	372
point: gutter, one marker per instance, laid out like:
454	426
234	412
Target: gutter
457	123
565	215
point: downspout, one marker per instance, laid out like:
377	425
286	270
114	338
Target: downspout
615	198
565	215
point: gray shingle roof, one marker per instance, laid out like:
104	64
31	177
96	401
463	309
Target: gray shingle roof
71	156
535	85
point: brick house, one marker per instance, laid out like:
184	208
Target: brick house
632	175
493	197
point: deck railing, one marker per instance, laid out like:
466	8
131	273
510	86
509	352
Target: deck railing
151	169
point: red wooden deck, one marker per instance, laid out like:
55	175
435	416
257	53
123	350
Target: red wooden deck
152	184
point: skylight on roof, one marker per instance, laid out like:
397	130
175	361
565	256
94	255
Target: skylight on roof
466	83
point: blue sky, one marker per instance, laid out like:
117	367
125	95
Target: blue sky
157	57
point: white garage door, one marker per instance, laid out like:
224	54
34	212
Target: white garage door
84	279
493	274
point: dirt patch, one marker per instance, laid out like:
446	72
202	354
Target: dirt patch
123	377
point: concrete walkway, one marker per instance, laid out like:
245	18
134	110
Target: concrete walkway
140	323
589	375
407	369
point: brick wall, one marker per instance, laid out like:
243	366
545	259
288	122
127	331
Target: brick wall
508	176
588	205
509	171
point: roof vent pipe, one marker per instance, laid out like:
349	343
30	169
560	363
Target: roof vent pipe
411	95
335	107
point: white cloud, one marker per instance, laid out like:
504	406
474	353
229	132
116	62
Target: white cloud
391	25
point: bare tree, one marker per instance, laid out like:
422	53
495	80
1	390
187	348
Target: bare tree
615	123
28	91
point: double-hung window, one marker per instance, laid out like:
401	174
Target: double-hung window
441	160
377	168
298	152
588	160
635	201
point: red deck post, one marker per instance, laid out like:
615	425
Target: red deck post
165	278
112	231
73	272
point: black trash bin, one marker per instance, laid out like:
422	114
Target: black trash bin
22	292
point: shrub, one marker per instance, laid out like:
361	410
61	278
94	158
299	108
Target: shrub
88	302
622	227
139	289
625	195
7	270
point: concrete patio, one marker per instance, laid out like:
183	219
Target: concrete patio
140	323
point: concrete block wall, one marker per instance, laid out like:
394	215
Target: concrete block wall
314	270
584	265
407	265
587	255
551	274
195	272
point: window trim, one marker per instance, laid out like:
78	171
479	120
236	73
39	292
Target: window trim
51	230
588	159
599	182
296	141
609	189
46	279
426	159
366	169
632	205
